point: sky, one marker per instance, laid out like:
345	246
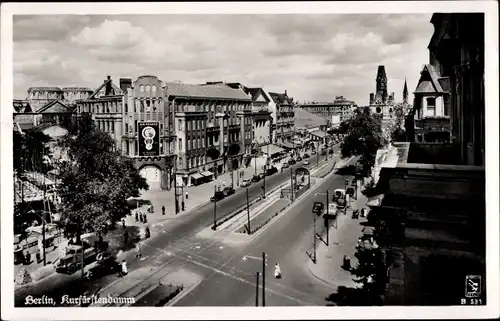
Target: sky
315	57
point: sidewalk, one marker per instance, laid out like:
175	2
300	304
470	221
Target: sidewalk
343	240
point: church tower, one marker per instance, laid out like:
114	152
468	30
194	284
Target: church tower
382	83
405	94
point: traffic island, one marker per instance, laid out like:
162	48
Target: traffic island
259	221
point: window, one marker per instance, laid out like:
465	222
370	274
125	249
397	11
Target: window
153	88
180	125
180	148
148	88
148	105
431	103
141	88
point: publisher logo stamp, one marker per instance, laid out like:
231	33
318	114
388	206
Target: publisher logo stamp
472	286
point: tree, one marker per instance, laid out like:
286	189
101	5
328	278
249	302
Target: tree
398	135
363	138
371	272
96	181
29	148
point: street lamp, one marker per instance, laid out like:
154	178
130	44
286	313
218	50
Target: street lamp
248	213
215	210
345	194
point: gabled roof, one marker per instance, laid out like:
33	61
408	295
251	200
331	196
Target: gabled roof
205	91
55	106
256	93
280	98
116	91
431	85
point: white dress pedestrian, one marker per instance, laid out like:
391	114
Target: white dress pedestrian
124	268
277	271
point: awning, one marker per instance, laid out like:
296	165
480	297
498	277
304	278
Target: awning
207	174
197	176
273	149
287	145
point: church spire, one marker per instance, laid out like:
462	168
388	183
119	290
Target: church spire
405	93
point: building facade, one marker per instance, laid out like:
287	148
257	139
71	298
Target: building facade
212	128
261	114
41	96
432	198
283	126
105	105
381	103
341	109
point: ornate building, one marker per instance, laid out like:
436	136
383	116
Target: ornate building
380	102
283	126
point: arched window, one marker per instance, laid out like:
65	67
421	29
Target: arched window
148	88
136	106
153	88
141	88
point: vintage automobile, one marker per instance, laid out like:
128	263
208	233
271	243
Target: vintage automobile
72	261
307	155
256	178
285	165
318	208
228	191
272	170
219	195
246	182
105	264
292	161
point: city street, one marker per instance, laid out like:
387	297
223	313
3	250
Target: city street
177	235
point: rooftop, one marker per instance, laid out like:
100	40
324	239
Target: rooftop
303	118
221	91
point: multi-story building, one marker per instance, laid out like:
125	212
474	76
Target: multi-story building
212	127
261	116
105	105
283	125
432	196
148	134
38	97
340	107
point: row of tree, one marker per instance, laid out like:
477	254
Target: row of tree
94	180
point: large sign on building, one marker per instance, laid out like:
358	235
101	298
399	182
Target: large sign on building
148	133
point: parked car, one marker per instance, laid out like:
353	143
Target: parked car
228	191
285	165
318	208
271	171
256	178
307	155
246	182
291	161
217	196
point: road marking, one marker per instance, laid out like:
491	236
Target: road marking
215	270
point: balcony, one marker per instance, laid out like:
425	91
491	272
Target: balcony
433	124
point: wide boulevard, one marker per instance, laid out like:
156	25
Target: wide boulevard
227	280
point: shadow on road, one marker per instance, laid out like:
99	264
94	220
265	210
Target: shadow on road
137	202
347	296
116	238
349	170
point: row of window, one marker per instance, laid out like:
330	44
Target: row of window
147	88
201	124
105	125
101	107
203	106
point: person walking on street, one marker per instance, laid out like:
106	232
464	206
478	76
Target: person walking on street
138	253
141	218
123	270
163	210
187	196
123	223
145	218
136	217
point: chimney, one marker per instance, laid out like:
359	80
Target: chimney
107	91
125	84
285	92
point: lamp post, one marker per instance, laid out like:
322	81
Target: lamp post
248	213
292	187
317	153
345	194
215	210
257	274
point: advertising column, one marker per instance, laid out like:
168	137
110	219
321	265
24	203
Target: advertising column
149	138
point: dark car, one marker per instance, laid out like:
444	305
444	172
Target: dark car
271	171
228	191
323	152
318	208
307	155
217	196
105	264
291	161
256	178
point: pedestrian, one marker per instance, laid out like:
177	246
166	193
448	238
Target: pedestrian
123	223
38	256
145	218
136	217
187	196
125	237
277	271
28	258
147	232
163	210
141	218
124	270
138	253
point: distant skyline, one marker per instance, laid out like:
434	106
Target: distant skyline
313	57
